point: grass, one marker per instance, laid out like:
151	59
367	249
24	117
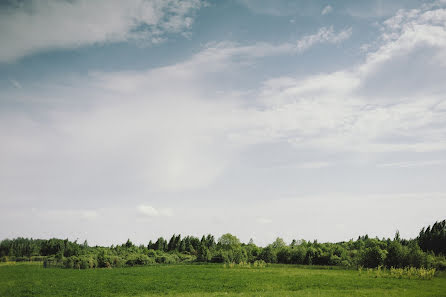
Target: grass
31	279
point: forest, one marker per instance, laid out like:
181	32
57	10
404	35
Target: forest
427	250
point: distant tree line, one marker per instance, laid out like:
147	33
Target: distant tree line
433	238
427	250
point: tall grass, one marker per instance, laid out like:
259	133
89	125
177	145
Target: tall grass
255	264
407	272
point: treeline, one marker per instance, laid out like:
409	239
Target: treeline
427	250
433	238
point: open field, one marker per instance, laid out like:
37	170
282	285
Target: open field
207	280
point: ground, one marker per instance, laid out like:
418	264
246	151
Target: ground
208	280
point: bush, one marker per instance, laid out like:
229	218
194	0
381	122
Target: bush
217	257
22	259
104	260
117	261
269	255
373	256
334	260
298	255
85	263
69	262
284	255
440	264
50	262
138	259
187	258
37	258
259	264
167	259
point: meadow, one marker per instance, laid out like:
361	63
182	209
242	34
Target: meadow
31	279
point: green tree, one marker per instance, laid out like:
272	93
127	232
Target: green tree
395	254
229	242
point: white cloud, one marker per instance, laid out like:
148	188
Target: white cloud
323	35
150	211
327	9
391	102
168	135
168	129
40	25
154	133
226	52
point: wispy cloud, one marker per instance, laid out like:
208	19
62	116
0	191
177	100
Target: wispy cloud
40	25
15	83
324	35
226	51
173	128
370	107
327	9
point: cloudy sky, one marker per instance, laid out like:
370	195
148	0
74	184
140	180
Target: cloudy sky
143	118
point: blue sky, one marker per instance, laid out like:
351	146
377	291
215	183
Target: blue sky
299	119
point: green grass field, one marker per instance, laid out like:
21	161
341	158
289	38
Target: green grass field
207	280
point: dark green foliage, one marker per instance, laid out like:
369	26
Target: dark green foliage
373	256
395	255
433	238
269	255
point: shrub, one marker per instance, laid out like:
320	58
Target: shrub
298	255
440	264
187	258
167	259
346	263
373	256
139	259
50	262
103	259
70	261
284	255
37	258
334	260
269	255
117	261
259	264
217	257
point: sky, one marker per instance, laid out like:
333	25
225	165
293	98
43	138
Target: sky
296	119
